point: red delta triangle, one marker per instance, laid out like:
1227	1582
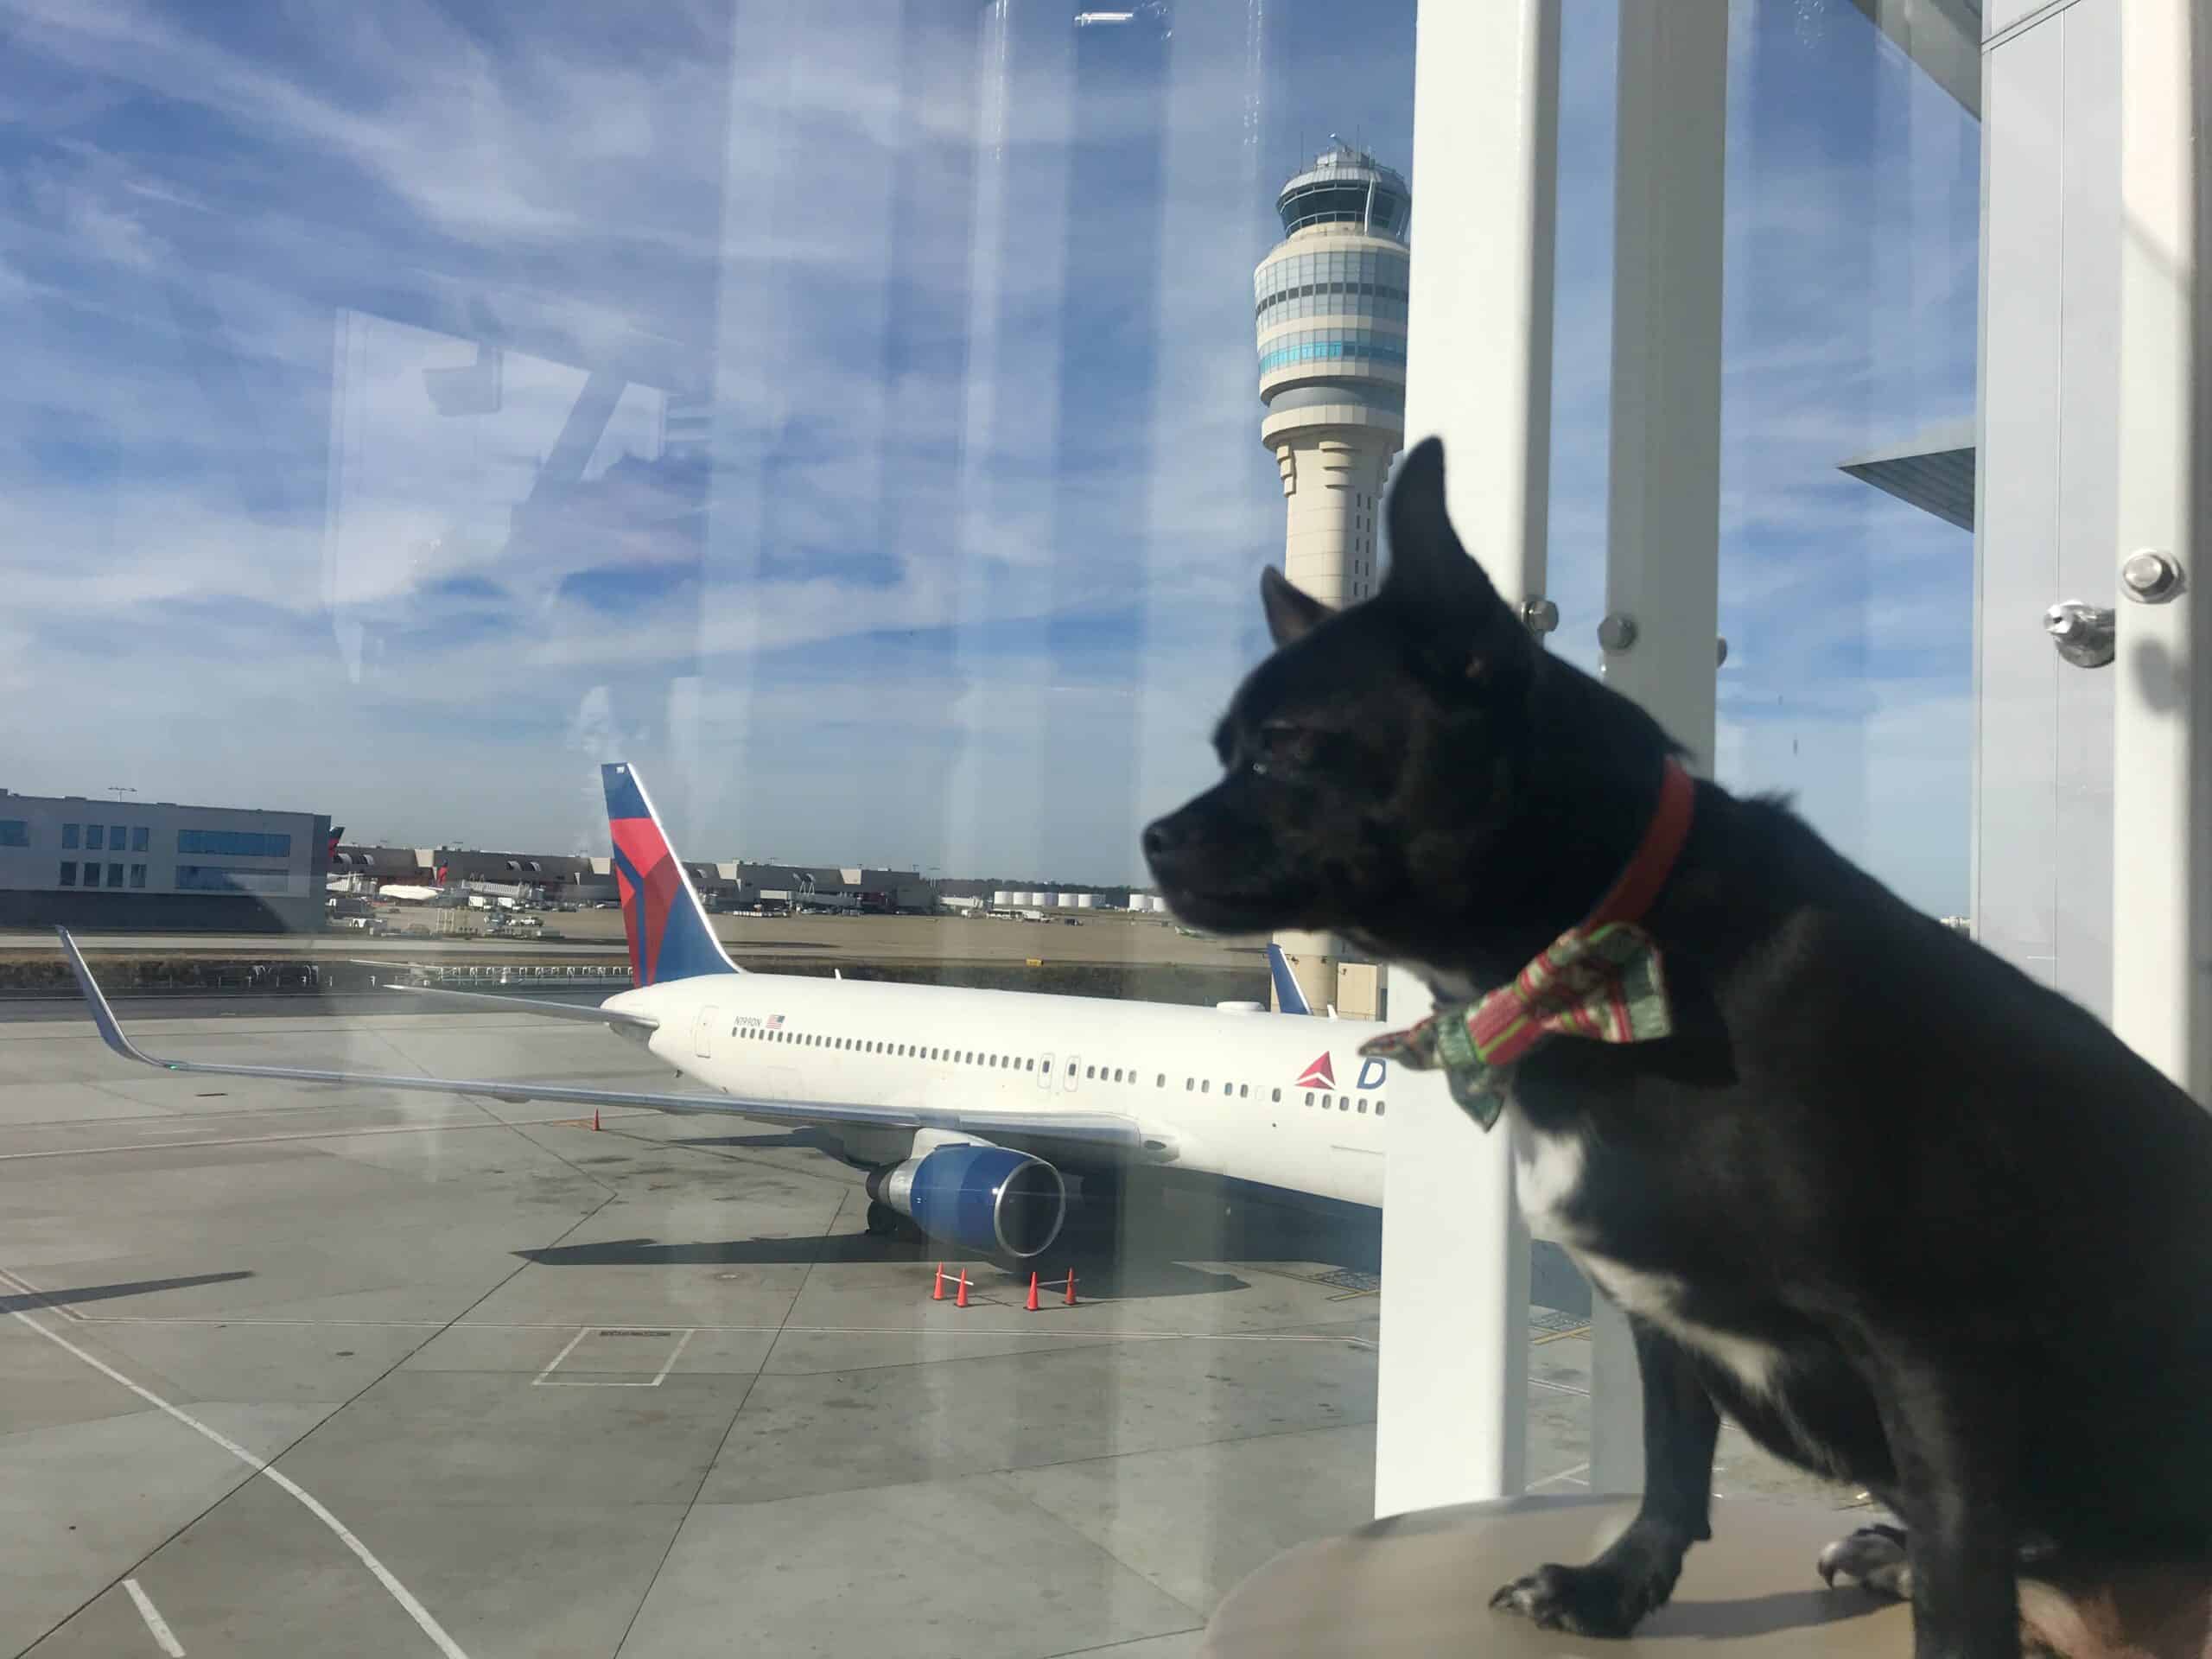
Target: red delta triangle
1319	1075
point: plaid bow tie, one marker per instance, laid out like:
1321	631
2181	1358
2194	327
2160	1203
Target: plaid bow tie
1600	982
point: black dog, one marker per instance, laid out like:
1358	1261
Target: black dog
1910	1218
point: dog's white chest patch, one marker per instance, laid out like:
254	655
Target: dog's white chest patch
1548	1174
1658	1297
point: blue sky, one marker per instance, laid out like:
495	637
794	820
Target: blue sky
947	557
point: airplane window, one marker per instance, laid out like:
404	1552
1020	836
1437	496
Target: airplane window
1325	1099
1189	1084
1343	1102
1163	1079
1276	1094
994	1062
1206	1087
1363	1105
1309	1097
1378	1108
1089	1071
1244	1091
1029	1065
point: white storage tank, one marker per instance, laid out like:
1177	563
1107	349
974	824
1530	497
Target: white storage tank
1159	905
1001	899
1065	900
1086	901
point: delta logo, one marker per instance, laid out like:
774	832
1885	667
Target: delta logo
1319	1075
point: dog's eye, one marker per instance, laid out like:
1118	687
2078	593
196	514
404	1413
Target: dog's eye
1285	749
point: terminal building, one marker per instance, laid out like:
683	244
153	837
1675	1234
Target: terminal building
68	861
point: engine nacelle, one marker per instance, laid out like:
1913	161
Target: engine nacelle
978	1197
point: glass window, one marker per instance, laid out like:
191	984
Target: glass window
14	832
509	441
235	843
68	835
68	872
95	836
223	878
1275	1095
115	875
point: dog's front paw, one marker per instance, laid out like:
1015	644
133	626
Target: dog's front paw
1595	1600
1873	1557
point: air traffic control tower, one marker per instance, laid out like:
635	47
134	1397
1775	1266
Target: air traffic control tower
1330	308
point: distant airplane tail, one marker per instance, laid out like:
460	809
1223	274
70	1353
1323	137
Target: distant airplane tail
670	938
1289	998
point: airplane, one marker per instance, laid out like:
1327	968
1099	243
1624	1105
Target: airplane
967	1108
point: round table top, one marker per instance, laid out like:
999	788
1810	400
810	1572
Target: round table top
1420	1584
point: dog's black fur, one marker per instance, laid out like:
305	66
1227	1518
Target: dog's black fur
1973	1229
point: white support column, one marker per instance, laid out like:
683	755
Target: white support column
1663	497
1452	1390
2161	774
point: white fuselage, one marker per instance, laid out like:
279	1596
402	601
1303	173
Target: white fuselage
1273	1099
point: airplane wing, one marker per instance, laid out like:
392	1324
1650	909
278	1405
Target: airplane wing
1108	1134
589	1013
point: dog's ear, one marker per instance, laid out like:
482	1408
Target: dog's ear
1290	614
1440	592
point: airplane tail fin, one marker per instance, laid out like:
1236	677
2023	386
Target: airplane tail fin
1289	998
670	938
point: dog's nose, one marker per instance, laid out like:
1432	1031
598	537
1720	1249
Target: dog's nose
1160	839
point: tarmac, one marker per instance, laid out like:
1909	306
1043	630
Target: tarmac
290	1368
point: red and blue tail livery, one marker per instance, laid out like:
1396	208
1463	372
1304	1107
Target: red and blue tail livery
661	912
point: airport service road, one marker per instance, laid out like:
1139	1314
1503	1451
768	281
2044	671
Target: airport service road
289	1370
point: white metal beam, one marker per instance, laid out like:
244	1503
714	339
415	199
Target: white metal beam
1662	559
1452	1403
2162	775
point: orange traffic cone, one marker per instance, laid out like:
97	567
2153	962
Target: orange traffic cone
1070	1300
937	1293
594	1117
1032	1293
961	1300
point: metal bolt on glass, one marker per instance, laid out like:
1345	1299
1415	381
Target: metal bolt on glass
1540	613
2083	634
2151	577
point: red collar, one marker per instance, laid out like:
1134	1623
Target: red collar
1632	894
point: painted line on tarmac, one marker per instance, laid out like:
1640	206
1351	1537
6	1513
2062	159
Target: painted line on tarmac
582	1332
23	1287
164	1637
399	1592
315	1134
1090	1336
